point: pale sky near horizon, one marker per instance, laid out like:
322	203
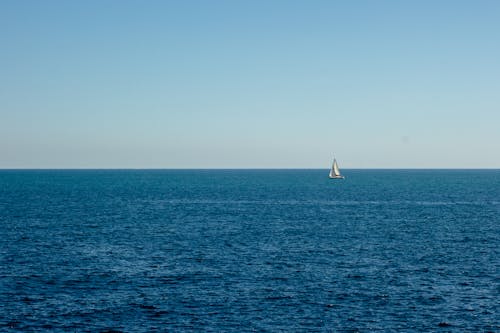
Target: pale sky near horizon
249	84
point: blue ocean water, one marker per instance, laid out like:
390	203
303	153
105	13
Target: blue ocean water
249	250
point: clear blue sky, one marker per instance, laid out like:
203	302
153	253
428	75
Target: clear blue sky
208	84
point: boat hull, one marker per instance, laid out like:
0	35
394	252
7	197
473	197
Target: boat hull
336	177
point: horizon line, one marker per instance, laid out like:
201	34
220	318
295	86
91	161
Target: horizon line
248	168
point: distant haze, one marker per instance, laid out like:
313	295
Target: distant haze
249	84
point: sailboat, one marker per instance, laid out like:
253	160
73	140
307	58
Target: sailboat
334	171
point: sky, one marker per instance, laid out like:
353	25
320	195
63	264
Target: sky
249	84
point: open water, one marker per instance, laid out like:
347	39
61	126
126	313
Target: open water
249	250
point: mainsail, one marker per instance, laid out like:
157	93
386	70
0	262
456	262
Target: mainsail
334	171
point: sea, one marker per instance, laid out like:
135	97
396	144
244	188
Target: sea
249	251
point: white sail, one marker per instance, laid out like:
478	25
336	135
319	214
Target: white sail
334	171
336	168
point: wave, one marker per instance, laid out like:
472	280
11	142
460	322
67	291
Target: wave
317	202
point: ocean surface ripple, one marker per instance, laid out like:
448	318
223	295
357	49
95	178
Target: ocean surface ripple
249	251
